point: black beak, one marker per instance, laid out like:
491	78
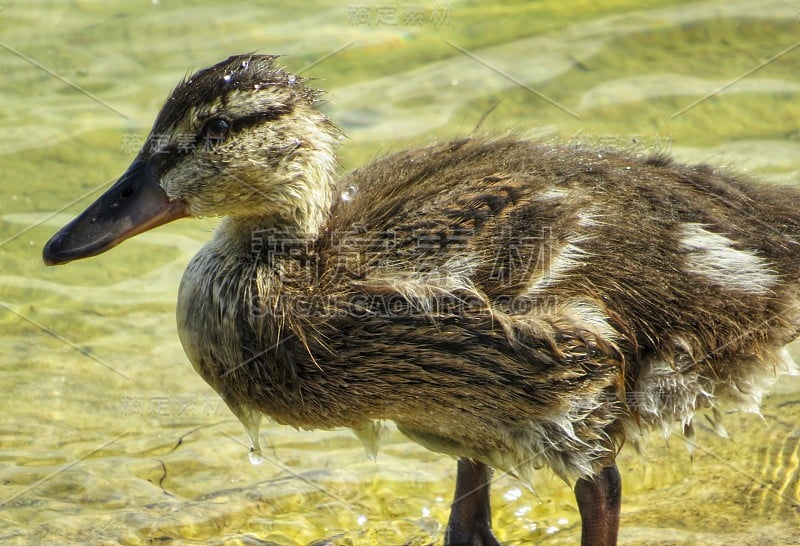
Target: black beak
136	203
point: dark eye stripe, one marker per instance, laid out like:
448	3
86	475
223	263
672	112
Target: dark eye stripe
172	155
276	112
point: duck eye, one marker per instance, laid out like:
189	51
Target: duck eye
215	130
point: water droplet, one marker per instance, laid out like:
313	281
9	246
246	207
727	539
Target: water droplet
563	521
252	421
349	192
361	519
227	78
255	455
292	79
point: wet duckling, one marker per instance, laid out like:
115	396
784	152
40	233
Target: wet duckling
514	304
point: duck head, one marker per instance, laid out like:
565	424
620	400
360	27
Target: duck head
242	138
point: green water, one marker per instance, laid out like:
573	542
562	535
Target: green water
108	436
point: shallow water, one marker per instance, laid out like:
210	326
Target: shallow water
108	436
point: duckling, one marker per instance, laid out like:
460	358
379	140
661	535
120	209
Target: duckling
514	304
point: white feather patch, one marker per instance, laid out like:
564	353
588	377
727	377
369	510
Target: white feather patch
713	257
568	257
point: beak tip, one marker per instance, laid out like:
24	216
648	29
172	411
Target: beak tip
49	260
50	253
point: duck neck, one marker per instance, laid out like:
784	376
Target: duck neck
257	234
299	203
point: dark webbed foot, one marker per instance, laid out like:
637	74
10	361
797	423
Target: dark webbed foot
599	503
470	521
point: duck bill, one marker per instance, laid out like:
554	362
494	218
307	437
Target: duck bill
136	203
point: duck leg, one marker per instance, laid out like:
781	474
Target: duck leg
599	503
470	521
